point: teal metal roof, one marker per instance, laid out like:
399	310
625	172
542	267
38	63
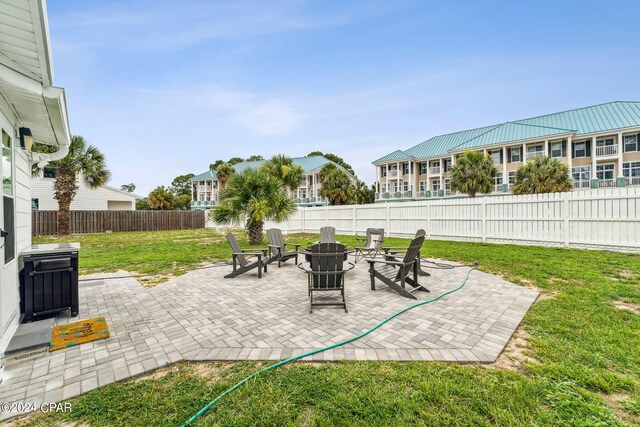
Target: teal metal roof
396	155
309	164
597	118
205	175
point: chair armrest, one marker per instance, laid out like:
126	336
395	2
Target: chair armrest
254	250
395	248
375	261
297	245
360	238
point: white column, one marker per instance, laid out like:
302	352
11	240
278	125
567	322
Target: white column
594	174
620	149
505	175
399	174
410	175
547	148
453	159
524	153
442	174
386	180
570	155
428	177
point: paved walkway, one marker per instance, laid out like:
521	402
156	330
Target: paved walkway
201	316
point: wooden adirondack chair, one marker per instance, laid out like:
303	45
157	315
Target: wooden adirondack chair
372	244
240	257
277	247
327	235
326	271
392	253
396	273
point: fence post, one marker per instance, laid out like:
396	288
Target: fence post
353	220
566	216
388	218
483	216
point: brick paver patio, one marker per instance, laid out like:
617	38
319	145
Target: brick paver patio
201	316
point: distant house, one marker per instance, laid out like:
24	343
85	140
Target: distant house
103	198
206	188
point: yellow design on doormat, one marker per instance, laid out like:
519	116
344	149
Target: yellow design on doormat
70	334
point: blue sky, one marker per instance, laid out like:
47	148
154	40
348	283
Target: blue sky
167	87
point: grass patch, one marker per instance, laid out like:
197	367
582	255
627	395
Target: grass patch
582	351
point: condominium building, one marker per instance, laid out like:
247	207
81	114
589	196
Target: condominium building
600	144
206	186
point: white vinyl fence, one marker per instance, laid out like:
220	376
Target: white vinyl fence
605	219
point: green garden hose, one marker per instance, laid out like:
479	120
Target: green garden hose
320	350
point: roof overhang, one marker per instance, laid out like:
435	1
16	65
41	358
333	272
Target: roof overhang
514	142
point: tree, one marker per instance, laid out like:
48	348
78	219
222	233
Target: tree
473	173
282	167
235	160
143	205
336	185
84	160
542	175
182	185
364	194
224	172
336	159
129	188
255	158
253	196
214	166
182	202
161	199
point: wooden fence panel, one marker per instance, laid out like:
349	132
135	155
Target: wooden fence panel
45	223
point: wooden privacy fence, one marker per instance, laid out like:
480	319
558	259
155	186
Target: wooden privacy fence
46	222
605	219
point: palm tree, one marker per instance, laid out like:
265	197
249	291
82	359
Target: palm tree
161	198
224	171
473	173
84	160
253	196
542	175
364	194
282	167
336	185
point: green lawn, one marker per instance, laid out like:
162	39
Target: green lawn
583	364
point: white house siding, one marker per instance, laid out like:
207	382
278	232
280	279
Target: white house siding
102	198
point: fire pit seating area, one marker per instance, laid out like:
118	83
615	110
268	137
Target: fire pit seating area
326	263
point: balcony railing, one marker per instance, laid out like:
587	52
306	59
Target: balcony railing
434	170
202	203
581	184
392	173
606	150
607	183
497	187
534	154
634	180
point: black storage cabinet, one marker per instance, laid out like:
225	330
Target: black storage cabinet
49	284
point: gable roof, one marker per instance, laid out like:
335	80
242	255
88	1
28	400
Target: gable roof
396	155
309	164
597	118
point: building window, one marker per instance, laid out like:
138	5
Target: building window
405	186
516	154
556	149
435	185
384	188
580	149
497	180
422	185
447	184
581	176
631	171
383	171
406	170
604	142
447	165
435	164
496	156
423	168
35	204
605	171
630	143
512	177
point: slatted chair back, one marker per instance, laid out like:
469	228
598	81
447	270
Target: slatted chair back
275	238
327	261
375	238
327	235
412	253
235	247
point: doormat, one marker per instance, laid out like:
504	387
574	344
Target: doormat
70	334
